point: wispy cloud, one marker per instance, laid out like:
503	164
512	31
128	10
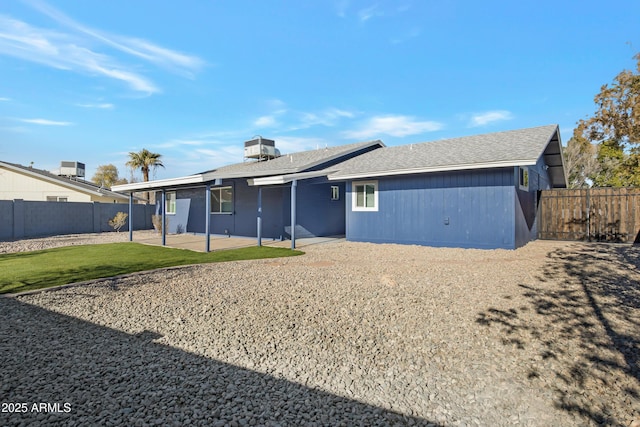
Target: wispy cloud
328	117
63	51
482	119
45	122
265	121
101	106
5	99
134	46
369	12
394	125
75	50
283	117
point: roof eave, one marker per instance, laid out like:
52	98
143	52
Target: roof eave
286	178
158	184
444	168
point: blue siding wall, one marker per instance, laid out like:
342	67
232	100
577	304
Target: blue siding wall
526	202
470	209
317	214
178	222
243	221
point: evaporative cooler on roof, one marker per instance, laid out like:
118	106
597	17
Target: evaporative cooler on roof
72	169
261	149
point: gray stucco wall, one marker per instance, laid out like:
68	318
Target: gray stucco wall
22	219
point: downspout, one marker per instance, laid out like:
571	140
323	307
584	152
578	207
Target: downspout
207	218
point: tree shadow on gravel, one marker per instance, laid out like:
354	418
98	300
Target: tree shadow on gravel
113	378
583	321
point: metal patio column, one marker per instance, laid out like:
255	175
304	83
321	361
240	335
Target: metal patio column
131	216
294	185
164	217
259	224
207	218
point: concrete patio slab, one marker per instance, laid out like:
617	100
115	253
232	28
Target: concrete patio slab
196	242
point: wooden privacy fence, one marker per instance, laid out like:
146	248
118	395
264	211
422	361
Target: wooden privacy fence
594	214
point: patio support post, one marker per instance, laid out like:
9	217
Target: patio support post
259	225
164	217
207	218
131	216
294	185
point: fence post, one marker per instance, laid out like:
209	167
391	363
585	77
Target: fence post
97	210
18	219
588	215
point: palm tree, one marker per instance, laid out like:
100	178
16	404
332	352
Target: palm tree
144	160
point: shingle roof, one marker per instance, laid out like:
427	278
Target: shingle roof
79	185
286	164
289	163
515	147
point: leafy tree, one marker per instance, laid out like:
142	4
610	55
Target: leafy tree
580	160
618	114
144	160
615	127
611	158
106	176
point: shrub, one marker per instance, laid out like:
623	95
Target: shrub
157	223
118	221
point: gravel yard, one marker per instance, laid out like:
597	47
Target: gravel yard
348	334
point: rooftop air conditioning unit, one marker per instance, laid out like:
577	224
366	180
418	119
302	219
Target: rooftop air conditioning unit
72	169
261	149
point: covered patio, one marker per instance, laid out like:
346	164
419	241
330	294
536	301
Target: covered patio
197	242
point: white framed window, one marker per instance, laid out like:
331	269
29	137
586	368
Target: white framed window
523	178
57	199
222	200
171	202
364	196
335	192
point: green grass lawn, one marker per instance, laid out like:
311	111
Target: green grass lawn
27	271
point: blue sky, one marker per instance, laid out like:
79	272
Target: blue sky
91	81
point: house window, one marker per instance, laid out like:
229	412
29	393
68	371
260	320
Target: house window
335	192
171	202
524	178
222	200
57	199
365	196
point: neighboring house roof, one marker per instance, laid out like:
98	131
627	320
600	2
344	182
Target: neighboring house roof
502	149
74	184
283	165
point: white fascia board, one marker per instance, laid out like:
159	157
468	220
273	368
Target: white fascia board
511	163
150	185
283	179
